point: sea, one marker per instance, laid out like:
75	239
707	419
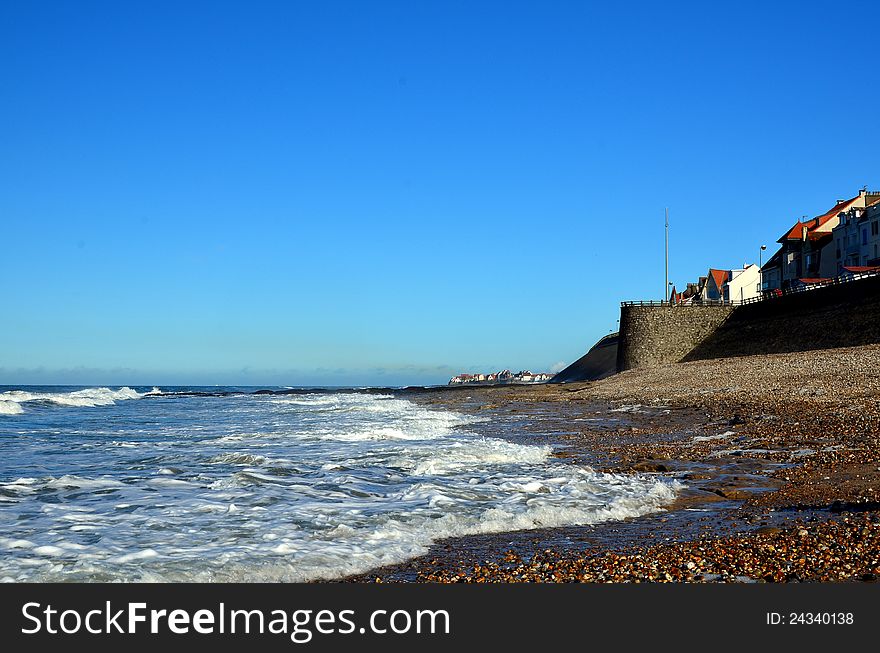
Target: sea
196	484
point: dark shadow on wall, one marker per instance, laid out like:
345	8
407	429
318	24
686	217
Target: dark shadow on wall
598	363
845	315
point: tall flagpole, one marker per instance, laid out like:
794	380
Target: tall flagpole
666	287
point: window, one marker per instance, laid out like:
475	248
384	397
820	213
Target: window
864	236
875	228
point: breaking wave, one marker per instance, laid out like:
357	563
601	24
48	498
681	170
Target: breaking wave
261	488
10	402
10	408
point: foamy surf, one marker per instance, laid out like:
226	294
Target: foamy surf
259	488
8	407
10	401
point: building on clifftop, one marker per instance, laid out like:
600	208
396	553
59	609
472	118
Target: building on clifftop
807	250
857	237
743	284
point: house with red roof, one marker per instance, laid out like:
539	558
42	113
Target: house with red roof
735	285
807	249
715	280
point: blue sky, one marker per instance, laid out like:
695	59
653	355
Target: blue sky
392	192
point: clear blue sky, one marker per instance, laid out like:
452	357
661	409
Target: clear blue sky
391	192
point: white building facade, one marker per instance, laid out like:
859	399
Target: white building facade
744	283
857	238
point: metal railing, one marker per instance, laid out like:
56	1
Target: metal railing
768	295
700	302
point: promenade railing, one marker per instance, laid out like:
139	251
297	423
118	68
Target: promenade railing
769	295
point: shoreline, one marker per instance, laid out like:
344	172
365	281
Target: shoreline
777	453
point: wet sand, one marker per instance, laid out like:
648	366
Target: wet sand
778	455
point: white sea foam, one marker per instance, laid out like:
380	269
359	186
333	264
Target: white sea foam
262	488
138	555
627	408
87	398
307	400
8	407
376	433
720	436
238	459
49	550
69	481
168	482
346	550
15	544
474	455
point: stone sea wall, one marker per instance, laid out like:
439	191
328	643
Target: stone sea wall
655	335
844	315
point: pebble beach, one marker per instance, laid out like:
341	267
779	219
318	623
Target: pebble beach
777	456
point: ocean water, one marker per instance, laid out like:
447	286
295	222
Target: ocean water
196	484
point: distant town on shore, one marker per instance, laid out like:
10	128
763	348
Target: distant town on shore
504	376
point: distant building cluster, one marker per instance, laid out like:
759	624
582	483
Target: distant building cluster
841	244
504	376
